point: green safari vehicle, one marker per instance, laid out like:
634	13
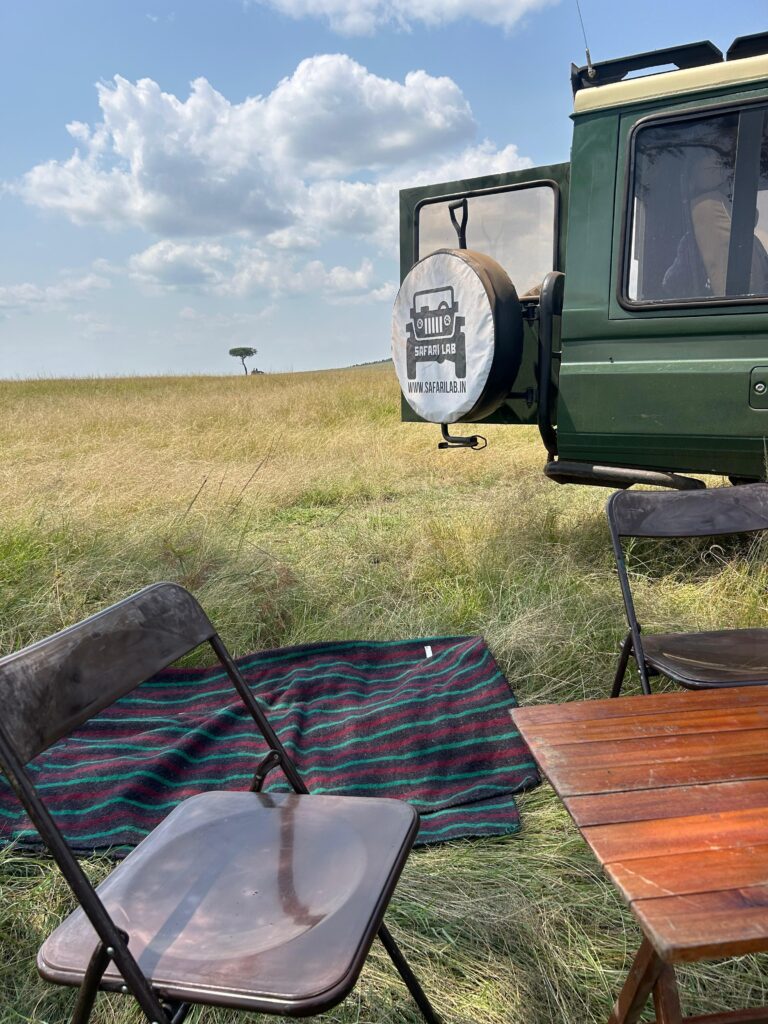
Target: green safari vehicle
619	301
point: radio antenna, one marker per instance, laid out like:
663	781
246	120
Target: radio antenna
591	73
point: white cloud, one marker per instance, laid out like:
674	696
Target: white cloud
25	297
167	264
369	210
338	280
472	162
354	208
206	166
362	17
204	321
257	274
333	117
242	272
92	325
241	195
366	211
192	167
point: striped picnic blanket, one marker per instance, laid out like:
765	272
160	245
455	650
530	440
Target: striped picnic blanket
424	720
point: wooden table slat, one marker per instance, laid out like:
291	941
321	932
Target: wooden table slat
662	724
683	874
673	802
654	749
692	834
619	777
659	703
706	925
671	793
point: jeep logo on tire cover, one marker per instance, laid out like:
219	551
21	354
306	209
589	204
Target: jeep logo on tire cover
443	336
435	331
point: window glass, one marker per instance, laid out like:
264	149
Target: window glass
515	227
683	243
761	222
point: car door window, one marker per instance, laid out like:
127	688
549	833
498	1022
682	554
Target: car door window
698	216
516	226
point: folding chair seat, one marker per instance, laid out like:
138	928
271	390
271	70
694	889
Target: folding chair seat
264	902
705	660
242	899
723	657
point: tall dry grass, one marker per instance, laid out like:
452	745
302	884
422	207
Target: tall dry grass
299	508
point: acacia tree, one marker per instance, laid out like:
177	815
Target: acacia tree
242	354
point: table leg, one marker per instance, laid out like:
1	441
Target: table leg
651	976
666	998
642	977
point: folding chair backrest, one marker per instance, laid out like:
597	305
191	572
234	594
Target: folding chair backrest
52	687
706	513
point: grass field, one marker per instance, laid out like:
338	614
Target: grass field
298	508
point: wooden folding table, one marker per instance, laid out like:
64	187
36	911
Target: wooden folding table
671	793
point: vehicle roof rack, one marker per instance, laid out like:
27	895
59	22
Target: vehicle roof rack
692	55
748	46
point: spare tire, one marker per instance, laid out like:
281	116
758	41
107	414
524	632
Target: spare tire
457	336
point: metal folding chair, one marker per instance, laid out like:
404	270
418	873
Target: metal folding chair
257	901
725	657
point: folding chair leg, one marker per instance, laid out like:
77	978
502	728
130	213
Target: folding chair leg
621	668
180	1013
89	988
410	979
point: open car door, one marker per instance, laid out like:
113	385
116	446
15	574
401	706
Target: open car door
462	242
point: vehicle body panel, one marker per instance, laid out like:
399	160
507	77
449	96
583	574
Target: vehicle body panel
663	388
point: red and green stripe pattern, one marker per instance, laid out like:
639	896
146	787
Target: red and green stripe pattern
360	718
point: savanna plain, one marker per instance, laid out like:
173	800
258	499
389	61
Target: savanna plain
298	508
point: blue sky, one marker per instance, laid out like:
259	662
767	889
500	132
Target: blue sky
149	224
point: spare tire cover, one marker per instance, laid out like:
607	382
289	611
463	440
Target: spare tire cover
457	336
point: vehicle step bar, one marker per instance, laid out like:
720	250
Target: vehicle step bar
621	477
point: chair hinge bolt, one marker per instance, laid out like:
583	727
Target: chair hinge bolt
110	951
